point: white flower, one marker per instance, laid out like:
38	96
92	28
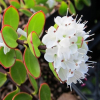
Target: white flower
2	44
21	32
51	3
67	49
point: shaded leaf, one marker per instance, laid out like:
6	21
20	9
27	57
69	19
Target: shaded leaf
31	63
87	2
18	72
41	1
63	8
71	8
3	3
29	3
34	84
44	92
26	12
7	60
79	4
3	78
10	95
39	7
22	96
11	17
15	3
19	54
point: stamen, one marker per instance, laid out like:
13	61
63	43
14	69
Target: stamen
67	12
80	19
90	51
85	22
88	32
89	40
91	34
92	61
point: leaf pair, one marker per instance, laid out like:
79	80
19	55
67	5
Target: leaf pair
17	95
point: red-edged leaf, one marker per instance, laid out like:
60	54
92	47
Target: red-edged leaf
44	92
31	63
11	17
36	23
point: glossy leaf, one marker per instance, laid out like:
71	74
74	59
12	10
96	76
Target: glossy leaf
18	72
87	2
36	23
9	36
18	54
39	7
22	96
3	78
44	92
79	42
34	84
3	3
15	3
31	63
41	1
26	12
29	3
71	8
79	4
63	8
11	17
52	69
33	42
10	95
7	60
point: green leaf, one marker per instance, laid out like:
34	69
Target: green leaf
36	23
52	69
10	95
41	1
39	7
79	4
22	96
87	2
9	36
15	3
29	3
3	3
34	84
26	12
19	54
31	63
71	8
0	12
58	0
7	60
79	42
3	78
11	17
18	72
33	42
44	92
63	8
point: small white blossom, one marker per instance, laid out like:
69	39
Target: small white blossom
21	32
2	44
67	49
51	3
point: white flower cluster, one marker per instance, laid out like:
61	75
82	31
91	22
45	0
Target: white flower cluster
67	49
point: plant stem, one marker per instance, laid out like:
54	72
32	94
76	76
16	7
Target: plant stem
22	87
22	42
